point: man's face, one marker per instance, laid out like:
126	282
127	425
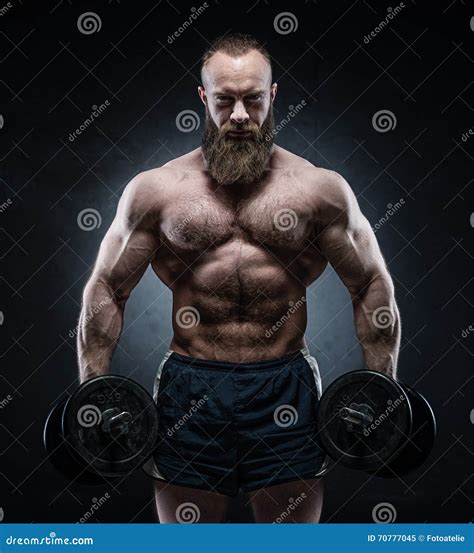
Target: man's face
238	137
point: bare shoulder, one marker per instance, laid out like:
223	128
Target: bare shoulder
188	162
146	194
333	190
328	192
149	185
284	159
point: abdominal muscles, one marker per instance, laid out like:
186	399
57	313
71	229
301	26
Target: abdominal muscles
238	302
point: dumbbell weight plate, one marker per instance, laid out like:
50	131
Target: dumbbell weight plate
364	447
421	441
111	424
59	454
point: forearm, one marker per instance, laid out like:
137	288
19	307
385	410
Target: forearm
100	326
378	327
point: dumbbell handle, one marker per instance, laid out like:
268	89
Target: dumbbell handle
125	416
355	417
115	420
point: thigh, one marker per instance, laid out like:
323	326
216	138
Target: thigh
297	501
179	504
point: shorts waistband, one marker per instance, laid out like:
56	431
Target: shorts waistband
274	363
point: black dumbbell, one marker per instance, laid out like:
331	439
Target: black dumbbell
368	421
106	429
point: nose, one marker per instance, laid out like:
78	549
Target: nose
239	115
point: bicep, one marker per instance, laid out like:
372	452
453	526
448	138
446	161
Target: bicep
349	243
130	243
124	256
353	253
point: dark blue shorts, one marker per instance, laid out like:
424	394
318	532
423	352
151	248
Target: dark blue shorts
225	426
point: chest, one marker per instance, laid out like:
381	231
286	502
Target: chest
277	218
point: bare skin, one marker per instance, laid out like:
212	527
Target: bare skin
234	257
299	501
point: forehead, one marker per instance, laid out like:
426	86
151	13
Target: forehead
251	70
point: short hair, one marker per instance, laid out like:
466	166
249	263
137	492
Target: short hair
235	44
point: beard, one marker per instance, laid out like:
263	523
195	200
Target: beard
237	160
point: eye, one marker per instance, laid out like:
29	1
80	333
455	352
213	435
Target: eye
254	97
223	99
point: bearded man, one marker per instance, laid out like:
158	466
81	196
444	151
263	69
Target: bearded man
238	229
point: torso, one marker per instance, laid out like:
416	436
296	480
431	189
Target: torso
238	264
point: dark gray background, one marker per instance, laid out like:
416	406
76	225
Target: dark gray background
419	67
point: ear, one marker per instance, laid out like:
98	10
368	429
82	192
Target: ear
202	94
273	91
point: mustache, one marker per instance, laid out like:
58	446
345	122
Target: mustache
247	127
